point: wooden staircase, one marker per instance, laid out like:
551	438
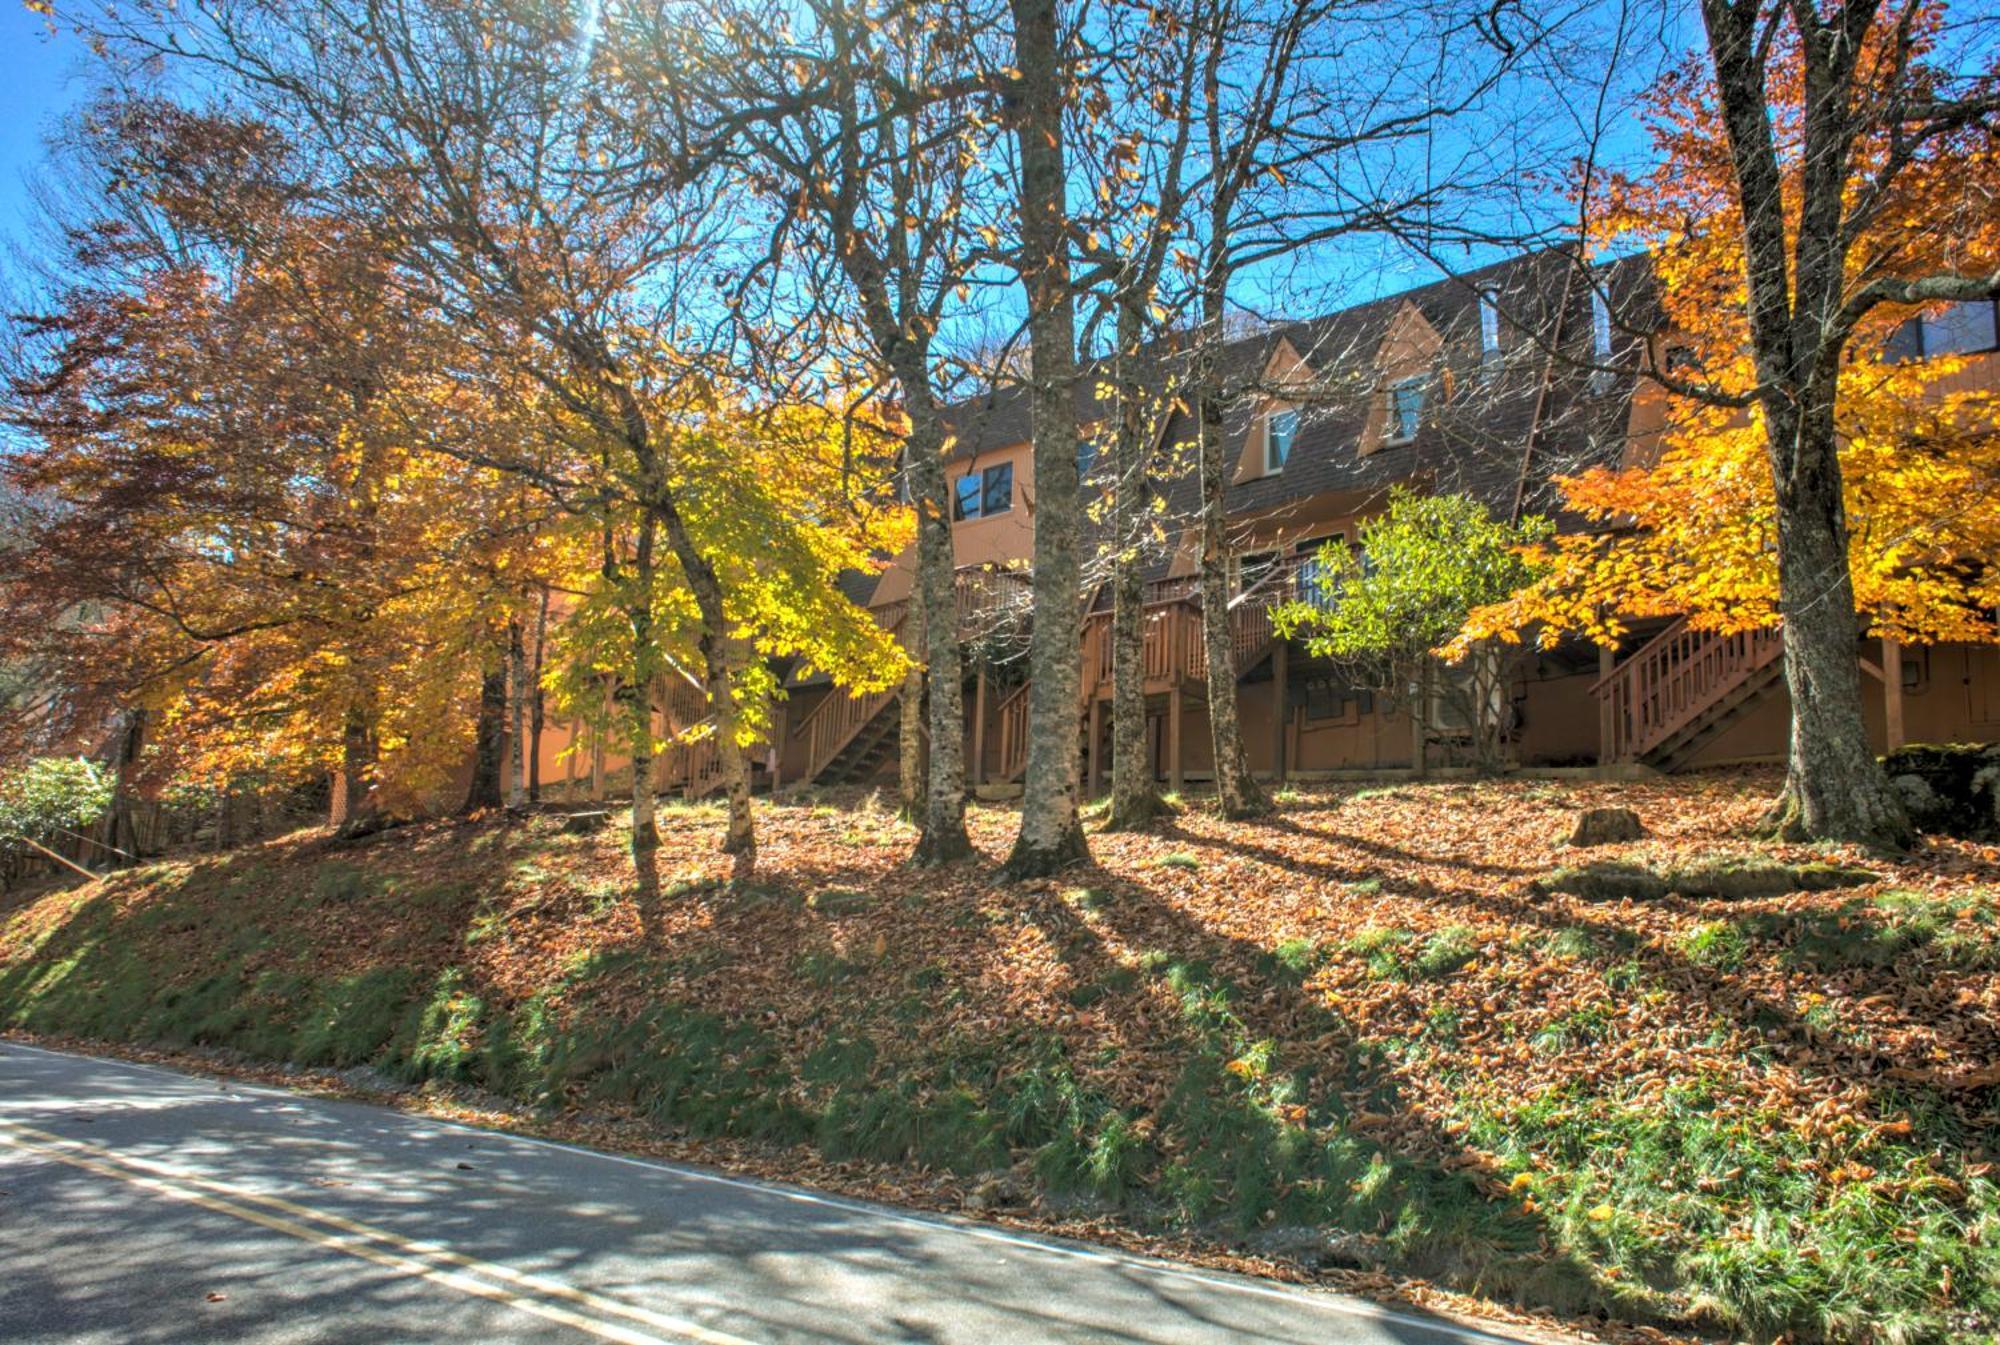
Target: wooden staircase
1684	687
867	746
848	737
692	763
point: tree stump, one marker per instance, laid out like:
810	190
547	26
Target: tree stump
582	824
1607	826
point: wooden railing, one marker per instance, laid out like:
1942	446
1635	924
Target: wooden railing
1169	648
1012	714
1250	628
1674	679
693	765
984	595
839	716
1173	644
687	763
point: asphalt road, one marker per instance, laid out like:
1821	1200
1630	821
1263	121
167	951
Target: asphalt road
142	1205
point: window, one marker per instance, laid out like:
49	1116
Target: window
1489	330
1600	340
1956	329
1324	700
1086	456
1330	702
980	494
1252	568
1406	410
1280	429
1311	585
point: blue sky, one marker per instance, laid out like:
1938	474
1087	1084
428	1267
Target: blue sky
40	77
44	74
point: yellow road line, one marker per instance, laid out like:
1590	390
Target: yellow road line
407	1256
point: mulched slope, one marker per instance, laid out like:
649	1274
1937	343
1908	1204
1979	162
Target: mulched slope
1376	964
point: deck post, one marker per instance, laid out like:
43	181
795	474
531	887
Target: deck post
1892	693
1174	772
778	736
1095	779
979	725
1419	712
1607	747
1280	707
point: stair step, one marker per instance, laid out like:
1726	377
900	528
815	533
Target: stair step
1717	718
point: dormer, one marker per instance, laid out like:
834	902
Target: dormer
1276	418
1405	371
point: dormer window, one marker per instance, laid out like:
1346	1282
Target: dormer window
1281	428
1600	340
1489	330
1406	410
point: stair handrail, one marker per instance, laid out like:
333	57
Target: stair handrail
1675	678
834	722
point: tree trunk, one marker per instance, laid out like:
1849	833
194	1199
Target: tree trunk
912	778
1835	789
123	833
1797	285
705	586
934	607
355	811
488	739
598	728
1236	791
740	838
635	699
1051	836
1135	801
537	703
517	714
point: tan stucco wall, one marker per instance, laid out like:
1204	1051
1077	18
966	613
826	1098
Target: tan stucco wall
979	541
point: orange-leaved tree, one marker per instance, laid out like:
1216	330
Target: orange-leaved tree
1810	197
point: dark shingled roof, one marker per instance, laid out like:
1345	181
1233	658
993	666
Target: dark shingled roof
1476	430
1477	420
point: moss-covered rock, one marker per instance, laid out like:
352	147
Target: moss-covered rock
1949	789
1729	877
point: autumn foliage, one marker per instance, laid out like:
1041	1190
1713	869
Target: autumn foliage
1687	525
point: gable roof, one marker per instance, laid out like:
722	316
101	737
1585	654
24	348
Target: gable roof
1497	433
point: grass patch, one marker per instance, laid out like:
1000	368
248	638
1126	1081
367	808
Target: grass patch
1720	945
1907	932
1771	1247
1394	954
1381	949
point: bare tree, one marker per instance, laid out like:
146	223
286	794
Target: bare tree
1051	836
1146	153
866	133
